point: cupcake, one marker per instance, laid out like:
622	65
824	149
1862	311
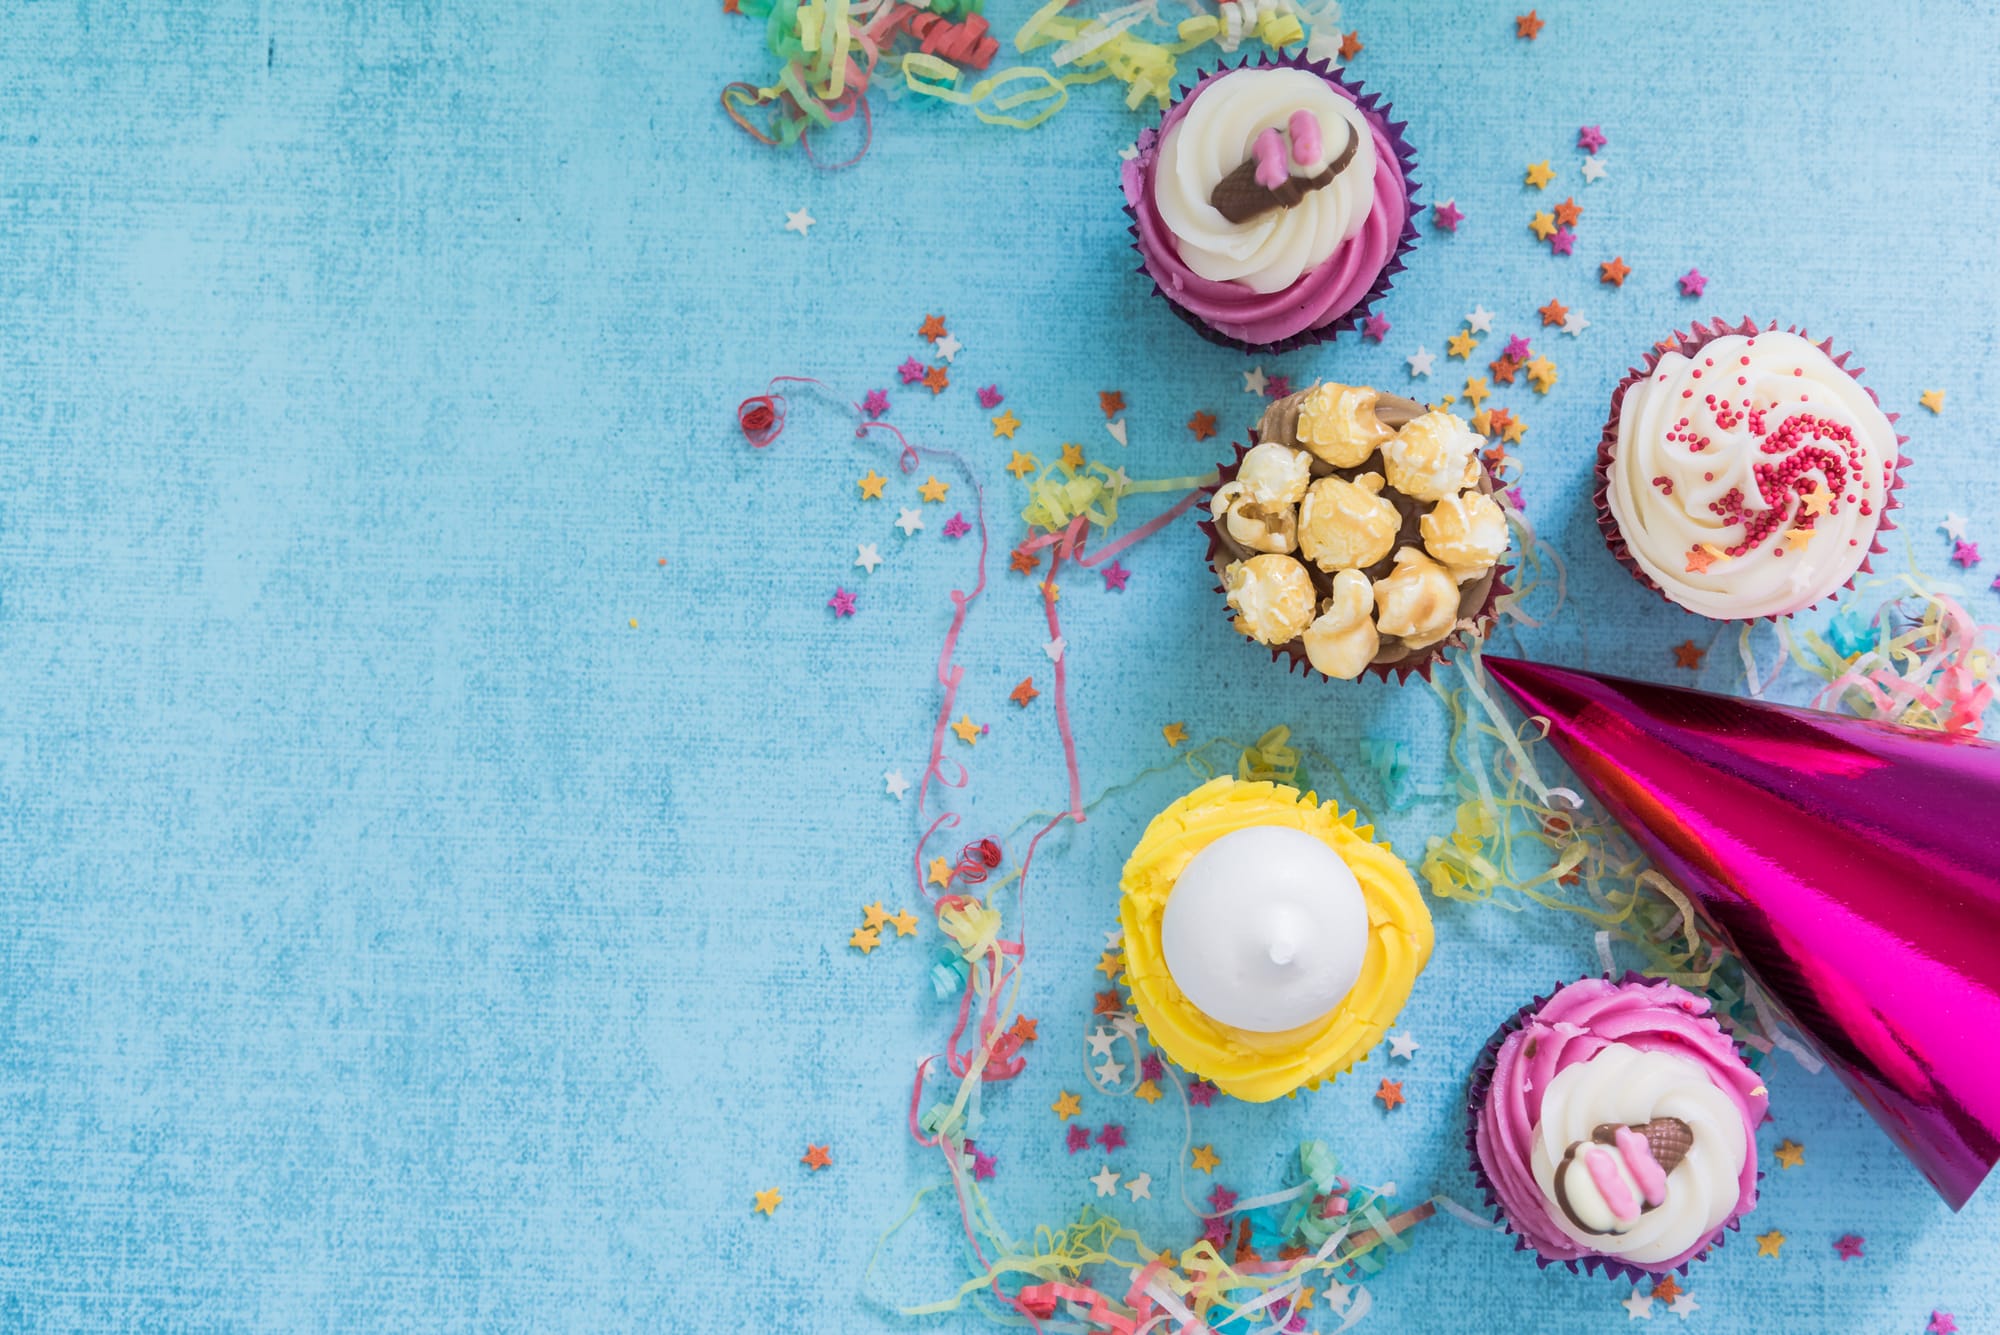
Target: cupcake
1269	941
1746	473
1273	204
1358	534
1614	1124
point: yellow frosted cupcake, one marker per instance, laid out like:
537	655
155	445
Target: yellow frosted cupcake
1269	942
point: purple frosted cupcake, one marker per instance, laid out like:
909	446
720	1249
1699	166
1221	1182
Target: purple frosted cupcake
1272	205
1615	1125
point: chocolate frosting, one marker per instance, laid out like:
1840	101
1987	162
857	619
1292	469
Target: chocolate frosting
1240	197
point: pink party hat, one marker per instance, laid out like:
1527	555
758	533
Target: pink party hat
1853	865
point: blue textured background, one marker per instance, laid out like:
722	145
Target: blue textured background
393	936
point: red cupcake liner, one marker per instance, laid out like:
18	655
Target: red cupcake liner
1418	664
1376	110
1699	335
1479	1085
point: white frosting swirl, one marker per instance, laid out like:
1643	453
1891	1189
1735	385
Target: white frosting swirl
1722	460
1630	1086
1274	250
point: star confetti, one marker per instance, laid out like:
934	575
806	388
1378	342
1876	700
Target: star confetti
842	603
1066	1106
875	402
1638	1307
1202	424
909	521
1932	399
1684	1306
1115	576
817	1157
949	348
1106	1181
1480	321
1790	1154
904	921
1688	654
911	370
768	1201
1575	323
940	873
1590	139
1375	328
1023	562
936	379
1402	1045
1665	1289
1254	380
1594	169
968	731
1477	390
1769	1243
1965	553
1553	313
865	939
1568	212
1527	25
1446	217
1699	559
1107	1003
1021	464
1076	1138
1461	344
1175	733
1390	1094
933	490
1613	272
871	485
1543	225
990	397
1693	282
1941	1323
1201	1093
1563	242
1420	362
1540	174
895	784
1141	1186
1277	386
1111	1136
932	328
800	222
1205	1158
1006	424
1148	1090
874	915
1517	348
956	527
1024	1028
1350	45
1024	693
1112	401
1848	1245
1072	456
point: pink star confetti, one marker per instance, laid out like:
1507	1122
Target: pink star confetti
1375	327
1518	349
1151	1067
842	603
1562	241
912	371
956	527
1692	282
1201	1093
1848	1245
1077	1137
1515	499
1446	217
1277	386
1965	553
1111	1136
1220	1199
1216	1231
1115	576
982	1163
1590	139
876	403
1941	1324
990	397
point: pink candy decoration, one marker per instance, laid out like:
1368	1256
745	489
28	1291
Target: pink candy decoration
1269	150
1304	129
1639	1161
1602	1165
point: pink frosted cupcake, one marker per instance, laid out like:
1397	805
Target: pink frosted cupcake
1614	1124
1746	472
1273	204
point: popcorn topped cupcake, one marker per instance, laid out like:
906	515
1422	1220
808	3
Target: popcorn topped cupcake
1272	205
1359	533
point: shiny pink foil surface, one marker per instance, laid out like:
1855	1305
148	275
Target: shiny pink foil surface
1854	866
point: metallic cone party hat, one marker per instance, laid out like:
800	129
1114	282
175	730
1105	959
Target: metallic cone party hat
1854	866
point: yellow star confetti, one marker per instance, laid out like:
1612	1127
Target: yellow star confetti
1050	591
1540	174
905	923
1175	733
1205	1158
1515	430
1305	1300
1072	456
1768	1243
933	490
1022	464
941	872
1108	964
1817	500
1148	1091
1796	539
767	1201
1005	423
1066	1106
1461	344
865	939
1543	372
875	915
1790	1153
967	730
1932	399
1478	391
871	486
1543	225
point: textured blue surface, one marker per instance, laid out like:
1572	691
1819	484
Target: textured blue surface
392	936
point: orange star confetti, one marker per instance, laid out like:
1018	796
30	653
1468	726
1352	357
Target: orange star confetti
871	486
1699	560
1203	425
865	939
1108	1003
1495	459
1390	1093
1614	271
1504	370
1024	1028
1025	692
1666	1290
1024	561
932	328
1497	422
1112	401
1175	733
1527	25
1350	45
817	1157
1554	313
936	378
1206	1159
1568	212
1688	654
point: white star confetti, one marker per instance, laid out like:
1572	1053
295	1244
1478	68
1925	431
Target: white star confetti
1638	1307
1141	1187
1402	1045
1420	362
1054	649
1575	323
1684	1306
1480	321
949	347
909	521
1100	1042
896	784
1117	430
1106	1181
1593	169
800	222
1254	380
867	557
1954	527
1111	1072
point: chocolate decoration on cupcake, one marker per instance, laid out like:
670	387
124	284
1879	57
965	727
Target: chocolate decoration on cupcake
1624	1172
1264	182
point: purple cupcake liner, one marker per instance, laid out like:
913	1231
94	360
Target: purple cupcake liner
1376	111
1479	1086
1698	336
